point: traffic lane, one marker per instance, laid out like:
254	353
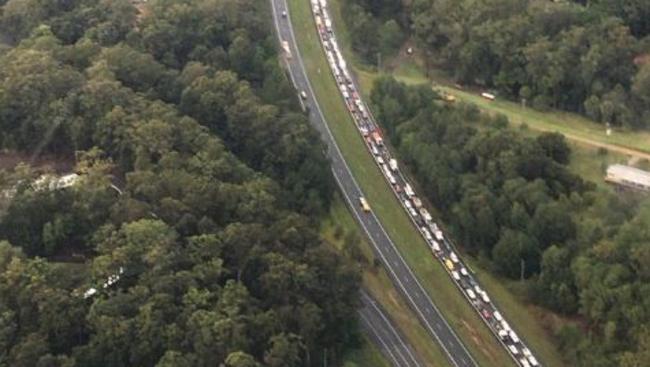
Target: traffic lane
413	292
419	300
378	339
399	177
385	334
373	311
399	272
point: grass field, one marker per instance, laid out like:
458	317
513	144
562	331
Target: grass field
573	126
476	336
531	323
377	283
366	356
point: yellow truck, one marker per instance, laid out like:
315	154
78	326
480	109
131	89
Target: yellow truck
450	265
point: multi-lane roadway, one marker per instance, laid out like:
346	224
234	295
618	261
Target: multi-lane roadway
404	279
440	245
381	330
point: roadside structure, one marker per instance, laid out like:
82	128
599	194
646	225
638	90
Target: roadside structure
628	177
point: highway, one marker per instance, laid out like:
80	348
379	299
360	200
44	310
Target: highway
440	245
404	279
385	335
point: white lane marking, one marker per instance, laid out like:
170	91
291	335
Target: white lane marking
354	210
394	331
371	121
381	340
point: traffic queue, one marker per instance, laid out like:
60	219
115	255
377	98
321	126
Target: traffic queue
440	245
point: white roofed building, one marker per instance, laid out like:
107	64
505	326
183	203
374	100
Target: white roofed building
629	177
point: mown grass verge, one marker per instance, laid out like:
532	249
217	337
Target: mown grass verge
529	320
476	336
377	283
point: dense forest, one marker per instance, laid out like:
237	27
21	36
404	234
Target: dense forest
511	201
199	193
591	57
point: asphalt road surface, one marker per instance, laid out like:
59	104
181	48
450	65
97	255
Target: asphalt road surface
404	279
385	335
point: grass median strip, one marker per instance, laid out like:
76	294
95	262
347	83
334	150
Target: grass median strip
530	321
377	283
476	336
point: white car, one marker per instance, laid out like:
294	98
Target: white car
485	297
470	294
374	149
408	204
497	316
513	349
380	160
439	235
453	257
427	234
533	361
524	362
513	336
284	14
505	325
455	275
303	94
464	272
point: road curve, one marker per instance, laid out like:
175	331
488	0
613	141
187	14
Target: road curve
385	335
404	279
